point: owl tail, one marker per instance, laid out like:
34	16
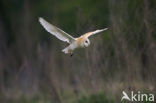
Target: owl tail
66	50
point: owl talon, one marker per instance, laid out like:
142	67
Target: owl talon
71	54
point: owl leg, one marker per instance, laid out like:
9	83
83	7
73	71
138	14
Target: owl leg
71	54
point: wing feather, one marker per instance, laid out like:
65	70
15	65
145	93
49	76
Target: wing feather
60	34
94	32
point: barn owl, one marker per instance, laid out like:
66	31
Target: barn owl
74	43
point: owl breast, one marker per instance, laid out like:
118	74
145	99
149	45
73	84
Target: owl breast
80	41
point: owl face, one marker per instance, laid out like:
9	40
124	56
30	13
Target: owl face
86	42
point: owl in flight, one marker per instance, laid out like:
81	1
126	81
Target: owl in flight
74	43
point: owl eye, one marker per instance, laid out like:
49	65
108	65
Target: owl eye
86	41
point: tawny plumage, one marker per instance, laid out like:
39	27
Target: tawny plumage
74	43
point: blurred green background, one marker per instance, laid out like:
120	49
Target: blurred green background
34	70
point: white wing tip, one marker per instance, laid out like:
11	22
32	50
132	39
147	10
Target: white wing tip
104	29
40	19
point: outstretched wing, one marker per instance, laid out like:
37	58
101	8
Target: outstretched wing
60	34
94	32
